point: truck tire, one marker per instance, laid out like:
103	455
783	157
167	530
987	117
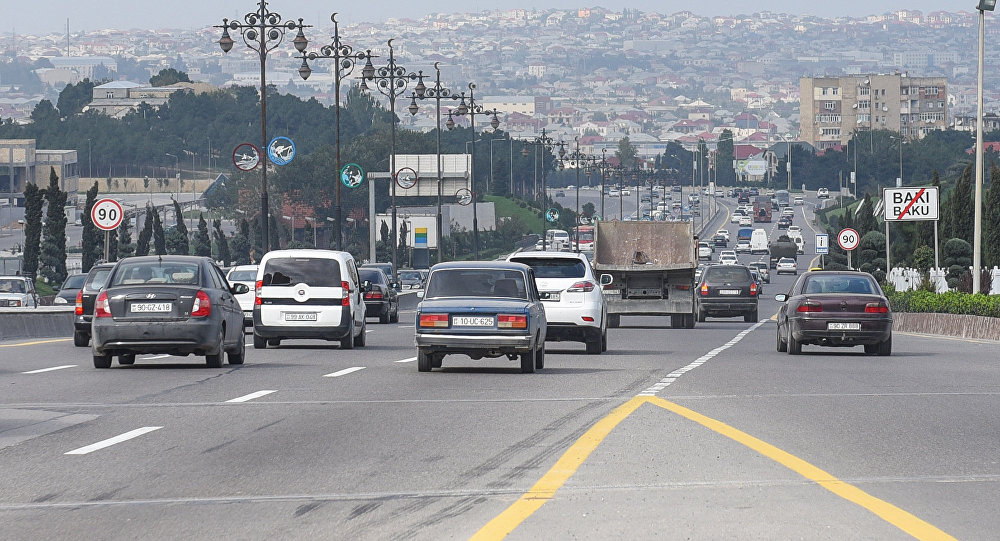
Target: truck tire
614	321
676	322
688	321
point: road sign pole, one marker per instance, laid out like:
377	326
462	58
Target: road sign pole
849	266
107	247
936	264
888	263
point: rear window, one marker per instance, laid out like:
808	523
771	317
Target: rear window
242	276
840	284
12	285
372	275
477	283
96	279
156	272
555	267
74	282
727	274
289	271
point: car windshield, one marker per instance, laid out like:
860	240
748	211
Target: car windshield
11	285
409	275
727	274
372	275
288	271
477	283
562	267
74	282
156	272
242	276
97	278
839	284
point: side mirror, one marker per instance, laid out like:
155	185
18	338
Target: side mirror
781	297
606	279
420	294
239	289
395	285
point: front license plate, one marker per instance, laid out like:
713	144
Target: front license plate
150	307
554	296
300	316
843	326
729	292
472	321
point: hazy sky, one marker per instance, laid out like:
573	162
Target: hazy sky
25	16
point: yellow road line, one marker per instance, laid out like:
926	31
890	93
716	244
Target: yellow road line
899	518
35	343
556	477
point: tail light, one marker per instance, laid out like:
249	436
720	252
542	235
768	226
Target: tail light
101	307
202	306
753	288
512	322
876	308
682	287
704	289
345	292
581	287
810	307
433	320
256	292
588	319
373	295
79	303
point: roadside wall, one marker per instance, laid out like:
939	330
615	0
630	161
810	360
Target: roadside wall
42	322
963	326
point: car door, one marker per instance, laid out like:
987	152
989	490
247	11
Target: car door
232	313
357	298
537	309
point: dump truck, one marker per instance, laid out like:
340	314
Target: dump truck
781	247
762	209
647	269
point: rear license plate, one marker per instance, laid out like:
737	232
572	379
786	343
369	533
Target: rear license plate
729	292
472	321
150	307
553	296
300	316
843	326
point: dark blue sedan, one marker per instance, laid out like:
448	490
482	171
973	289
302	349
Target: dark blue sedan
481	309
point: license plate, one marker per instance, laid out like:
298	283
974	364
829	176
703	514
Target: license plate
553	297
150	307
729	292
472	321
300	316
843	326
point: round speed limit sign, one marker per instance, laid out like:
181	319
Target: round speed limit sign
107	214
848	239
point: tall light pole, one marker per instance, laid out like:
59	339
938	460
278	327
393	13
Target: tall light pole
545	143
472	108
177	173
344	59
263	30
391	81
977	249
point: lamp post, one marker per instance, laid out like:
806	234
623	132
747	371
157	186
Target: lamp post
177	173
262	31
436	93
391	81
579	160
472	109
344	59
546	143
977	249
604	176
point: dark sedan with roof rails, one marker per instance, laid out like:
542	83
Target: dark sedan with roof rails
178	305
480	309
835	308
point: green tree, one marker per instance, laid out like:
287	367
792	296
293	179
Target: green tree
91	240
923	258
626	153
53	256
925	229
159	240
239	245
221	243
125	246
961	208
864	218
202	242
74	97
724	156
177	241
588	209
34	198
991	221
168	77
142	245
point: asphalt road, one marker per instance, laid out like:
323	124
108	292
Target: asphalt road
706	433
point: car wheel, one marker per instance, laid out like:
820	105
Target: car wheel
438	360
594	345
701	316
528	362
794	346
604	341
395	315
750	317
424	361
238	354
348	341
102	361
274	342
259	342
614	321
384	318
540	357
214	360
782	345
126	359
361	339
81	339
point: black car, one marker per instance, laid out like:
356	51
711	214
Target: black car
381	300
784	222
67	291
727	291
386	268
720	240
96	278
176	304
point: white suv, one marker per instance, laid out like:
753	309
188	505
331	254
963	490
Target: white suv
823	193
574	304
308	294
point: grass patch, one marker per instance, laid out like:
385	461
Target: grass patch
42	288
510	207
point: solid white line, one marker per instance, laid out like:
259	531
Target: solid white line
156	357
111	441
49	369
251	396
410	360
344	372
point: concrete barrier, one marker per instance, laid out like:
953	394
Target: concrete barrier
41	322
963	326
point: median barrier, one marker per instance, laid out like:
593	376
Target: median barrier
41	322
959	325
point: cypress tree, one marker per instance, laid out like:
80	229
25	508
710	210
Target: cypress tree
142	245
178	240
925	228
221	243
53	256
124	246
991	221
33	200
159	240
202	242
961	207
91	235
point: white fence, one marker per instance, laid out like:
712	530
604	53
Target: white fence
904	279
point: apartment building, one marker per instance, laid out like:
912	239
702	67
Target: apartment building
833	108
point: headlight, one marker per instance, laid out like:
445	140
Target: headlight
59	300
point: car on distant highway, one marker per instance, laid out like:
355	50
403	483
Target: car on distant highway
675	188
85	297
762	269
172	304
720	240
17	292
834	308
613	192
786	265
724	233
728	257
784	222
246	275
794	229
823	193
381	299
411	279
69	288
746	221
705	250
735	217
481	309
757	278
798	200
727	291
743	246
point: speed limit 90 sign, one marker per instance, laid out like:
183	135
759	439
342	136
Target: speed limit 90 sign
107	214
848	239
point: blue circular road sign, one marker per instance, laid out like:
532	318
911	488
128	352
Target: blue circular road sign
280	150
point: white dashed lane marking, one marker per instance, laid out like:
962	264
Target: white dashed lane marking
344	372
39	371
154	357
410	360
251	396
111	441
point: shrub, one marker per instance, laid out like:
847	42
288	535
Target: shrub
951	302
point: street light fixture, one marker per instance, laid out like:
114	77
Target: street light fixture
262	31
977	249
344	59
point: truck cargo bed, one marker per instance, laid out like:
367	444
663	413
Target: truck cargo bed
639	246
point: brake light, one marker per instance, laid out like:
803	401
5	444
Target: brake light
704	289
376	295
433	320
202	306
512	322
588	319
876	308
101	307
810	307
256	293
79	303
581	287
753	288
682	287
345	292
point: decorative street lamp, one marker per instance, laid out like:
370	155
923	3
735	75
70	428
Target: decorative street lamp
579	161
977	249
391	81
344	59
546	144
262	30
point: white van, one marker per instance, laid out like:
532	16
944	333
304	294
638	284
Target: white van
313	294
758	241
798	240
556	240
